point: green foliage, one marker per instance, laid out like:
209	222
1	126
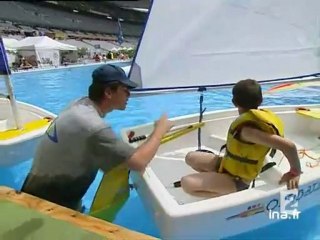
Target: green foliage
12	52
129	52
82	52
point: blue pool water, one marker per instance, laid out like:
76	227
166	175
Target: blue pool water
54	89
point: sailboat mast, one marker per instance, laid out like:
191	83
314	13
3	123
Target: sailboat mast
13	102
201	111
6	71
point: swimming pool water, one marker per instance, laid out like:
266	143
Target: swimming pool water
54	89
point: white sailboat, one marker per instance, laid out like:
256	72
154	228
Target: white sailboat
197	45
21	124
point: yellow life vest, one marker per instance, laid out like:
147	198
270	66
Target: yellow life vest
243	159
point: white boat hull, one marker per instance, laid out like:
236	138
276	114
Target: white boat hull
20	148
181	216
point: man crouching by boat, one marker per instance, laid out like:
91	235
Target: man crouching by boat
250	138
79	143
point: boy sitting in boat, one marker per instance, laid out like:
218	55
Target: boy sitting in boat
250	138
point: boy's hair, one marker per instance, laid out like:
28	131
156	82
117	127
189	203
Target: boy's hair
247	94
96	90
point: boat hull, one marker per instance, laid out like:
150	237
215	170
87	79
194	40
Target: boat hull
181	216
21	147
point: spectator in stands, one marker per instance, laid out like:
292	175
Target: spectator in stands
64	61
121	56
25	64
110	55
33	60
104	58
97	57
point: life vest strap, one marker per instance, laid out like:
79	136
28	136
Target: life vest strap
222	147
241	159
268	166
264	168
273	152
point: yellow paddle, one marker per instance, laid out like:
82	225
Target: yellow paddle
180	132
312	112
173	134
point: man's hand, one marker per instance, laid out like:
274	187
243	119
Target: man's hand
163	124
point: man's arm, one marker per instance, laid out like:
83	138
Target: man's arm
146	151
115	151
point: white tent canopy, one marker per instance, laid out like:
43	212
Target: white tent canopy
44	50
43	42
10	43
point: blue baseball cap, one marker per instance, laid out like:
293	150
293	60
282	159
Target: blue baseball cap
108	73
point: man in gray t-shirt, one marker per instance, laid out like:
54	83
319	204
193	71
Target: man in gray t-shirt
78	143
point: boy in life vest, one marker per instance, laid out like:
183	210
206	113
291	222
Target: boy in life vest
250	138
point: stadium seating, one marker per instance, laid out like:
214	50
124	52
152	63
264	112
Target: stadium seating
40	16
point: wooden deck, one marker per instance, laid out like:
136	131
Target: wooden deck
85	222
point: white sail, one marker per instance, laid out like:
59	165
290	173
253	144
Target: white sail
217	42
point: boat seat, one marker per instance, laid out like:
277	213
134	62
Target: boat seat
27	127
216	142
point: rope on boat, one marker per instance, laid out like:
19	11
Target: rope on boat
304	152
